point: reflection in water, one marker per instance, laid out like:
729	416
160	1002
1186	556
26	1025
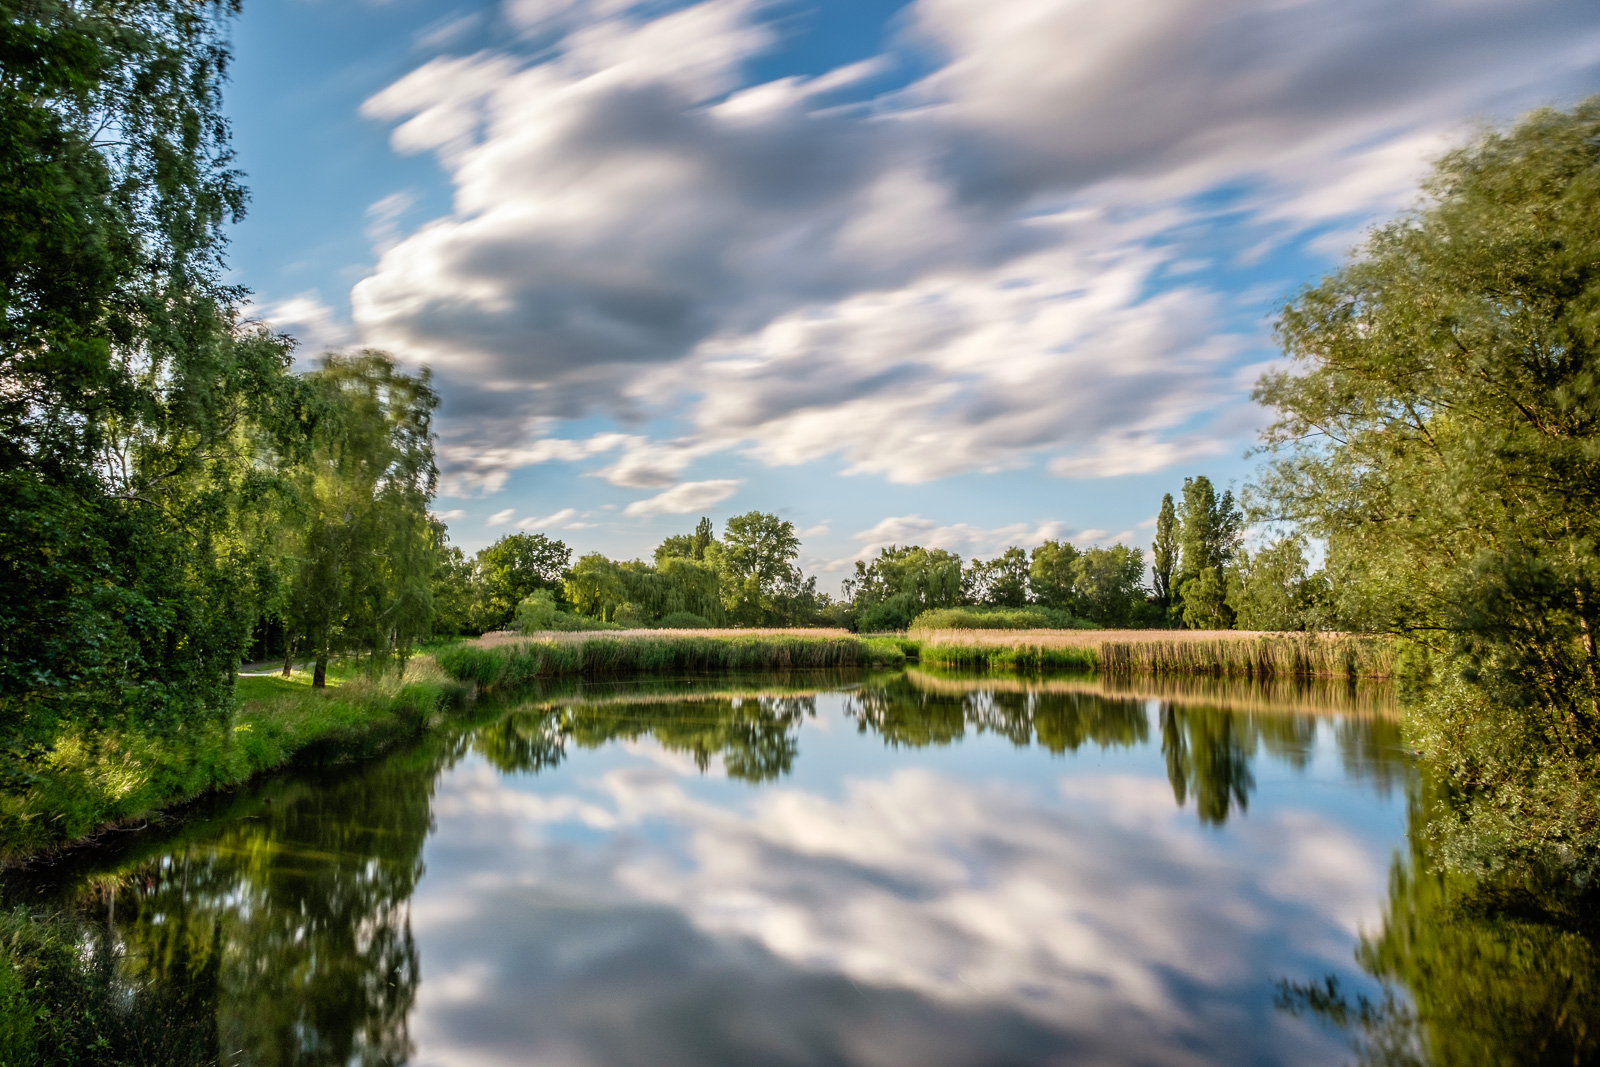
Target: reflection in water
1497	970
586	905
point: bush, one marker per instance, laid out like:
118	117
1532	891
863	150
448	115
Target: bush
1034	618
683	620
567	623
536	612
881	618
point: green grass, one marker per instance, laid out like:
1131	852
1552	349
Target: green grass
1017	657
88	781
517	663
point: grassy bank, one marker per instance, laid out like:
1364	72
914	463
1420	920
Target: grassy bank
1217	654
88	782
504	663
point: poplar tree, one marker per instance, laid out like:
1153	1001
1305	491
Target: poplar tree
1164	553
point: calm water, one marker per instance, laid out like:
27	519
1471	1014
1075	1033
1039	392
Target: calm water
890	870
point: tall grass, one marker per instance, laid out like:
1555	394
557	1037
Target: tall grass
506	664
87	782
1221	654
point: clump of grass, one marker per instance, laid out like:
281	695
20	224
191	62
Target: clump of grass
507	664
87	781
1019	656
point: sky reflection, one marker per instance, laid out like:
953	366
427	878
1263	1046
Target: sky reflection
971	903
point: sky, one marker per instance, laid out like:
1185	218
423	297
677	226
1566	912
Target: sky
960	273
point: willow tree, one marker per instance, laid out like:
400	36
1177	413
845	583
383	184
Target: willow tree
367	550
130	398
1440	429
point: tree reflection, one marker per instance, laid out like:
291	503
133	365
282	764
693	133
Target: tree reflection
756	737
1486	969
288	932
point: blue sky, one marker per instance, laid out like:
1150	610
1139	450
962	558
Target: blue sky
958	272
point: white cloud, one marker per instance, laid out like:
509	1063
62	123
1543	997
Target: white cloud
972	273
684	498
545	522
309	321
500	518
448	516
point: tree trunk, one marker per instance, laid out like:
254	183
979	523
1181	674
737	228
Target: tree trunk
319	678
288	658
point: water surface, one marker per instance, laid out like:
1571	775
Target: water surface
888	869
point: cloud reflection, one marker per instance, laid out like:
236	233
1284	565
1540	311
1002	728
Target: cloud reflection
643	916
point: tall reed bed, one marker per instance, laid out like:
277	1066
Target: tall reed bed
1218	654
1283	655
505	664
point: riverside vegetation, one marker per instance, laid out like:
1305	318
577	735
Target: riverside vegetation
176	500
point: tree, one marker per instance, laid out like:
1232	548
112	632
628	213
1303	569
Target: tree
688	546
1001	582
1439	428
902	583
515	566
756	559
366	544
1109	584
457	600
1164	553
595	586
1274	589
1209	533
135	408
1050	575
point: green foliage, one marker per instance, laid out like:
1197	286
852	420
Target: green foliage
519	663
760	584
456	591
998	619
536	612
1205	602
365	550
900	584
1440	429
1108	584
514	567
1274	589
687	546
1051	576
1001	582
683	620
1165	553
1022	657
1210	528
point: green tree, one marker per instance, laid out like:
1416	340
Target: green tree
1438	428
1205	602
595	586
366	545
134	407
902	583
457	593
515	566
756	560
1274	589
1050	575
1164	554
1001	582
1109	584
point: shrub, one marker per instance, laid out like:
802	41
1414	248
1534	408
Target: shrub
536	612
683	620
1032	618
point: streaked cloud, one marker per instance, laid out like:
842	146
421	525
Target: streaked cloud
1000	264
685	498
